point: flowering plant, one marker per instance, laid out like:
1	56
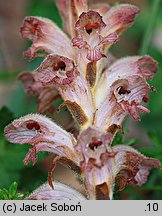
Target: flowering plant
98	90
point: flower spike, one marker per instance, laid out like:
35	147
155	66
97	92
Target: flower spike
98	90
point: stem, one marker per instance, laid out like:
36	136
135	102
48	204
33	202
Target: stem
150	27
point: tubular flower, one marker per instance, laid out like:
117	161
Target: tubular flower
98	90
92	155
43	134
103	165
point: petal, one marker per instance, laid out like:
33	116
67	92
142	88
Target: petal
122	164
130	93
96	162
89	39
74	8
57	70
134	168
119	18
71	85
46	36
144	66
88	23
42	134
99	183
46	94
110	115
60	192
101	8
122	88
92	143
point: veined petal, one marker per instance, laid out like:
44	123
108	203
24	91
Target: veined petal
89	38
74	8
119	18
103	165
60	192
134	168
99	183
144	66
110	115
123	88
71	84
46	36
95	166
43	135
46	94
101	8
56	69
92	143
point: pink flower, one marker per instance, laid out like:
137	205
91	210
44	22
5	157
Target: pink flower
102	165
92	155
98	90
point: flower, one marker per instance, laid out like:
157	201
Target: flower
91	155
102	165
99	91
96	33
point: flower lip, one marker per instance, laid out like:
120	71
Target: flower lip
43	135
92	143
89	28
60	70
46	36
31	28
88	22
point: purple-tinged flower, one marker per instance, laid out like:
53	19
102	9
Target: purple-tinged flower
103	165
99	91
66	68
68	79
121	89
92	155
95	33
46	36
43	134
